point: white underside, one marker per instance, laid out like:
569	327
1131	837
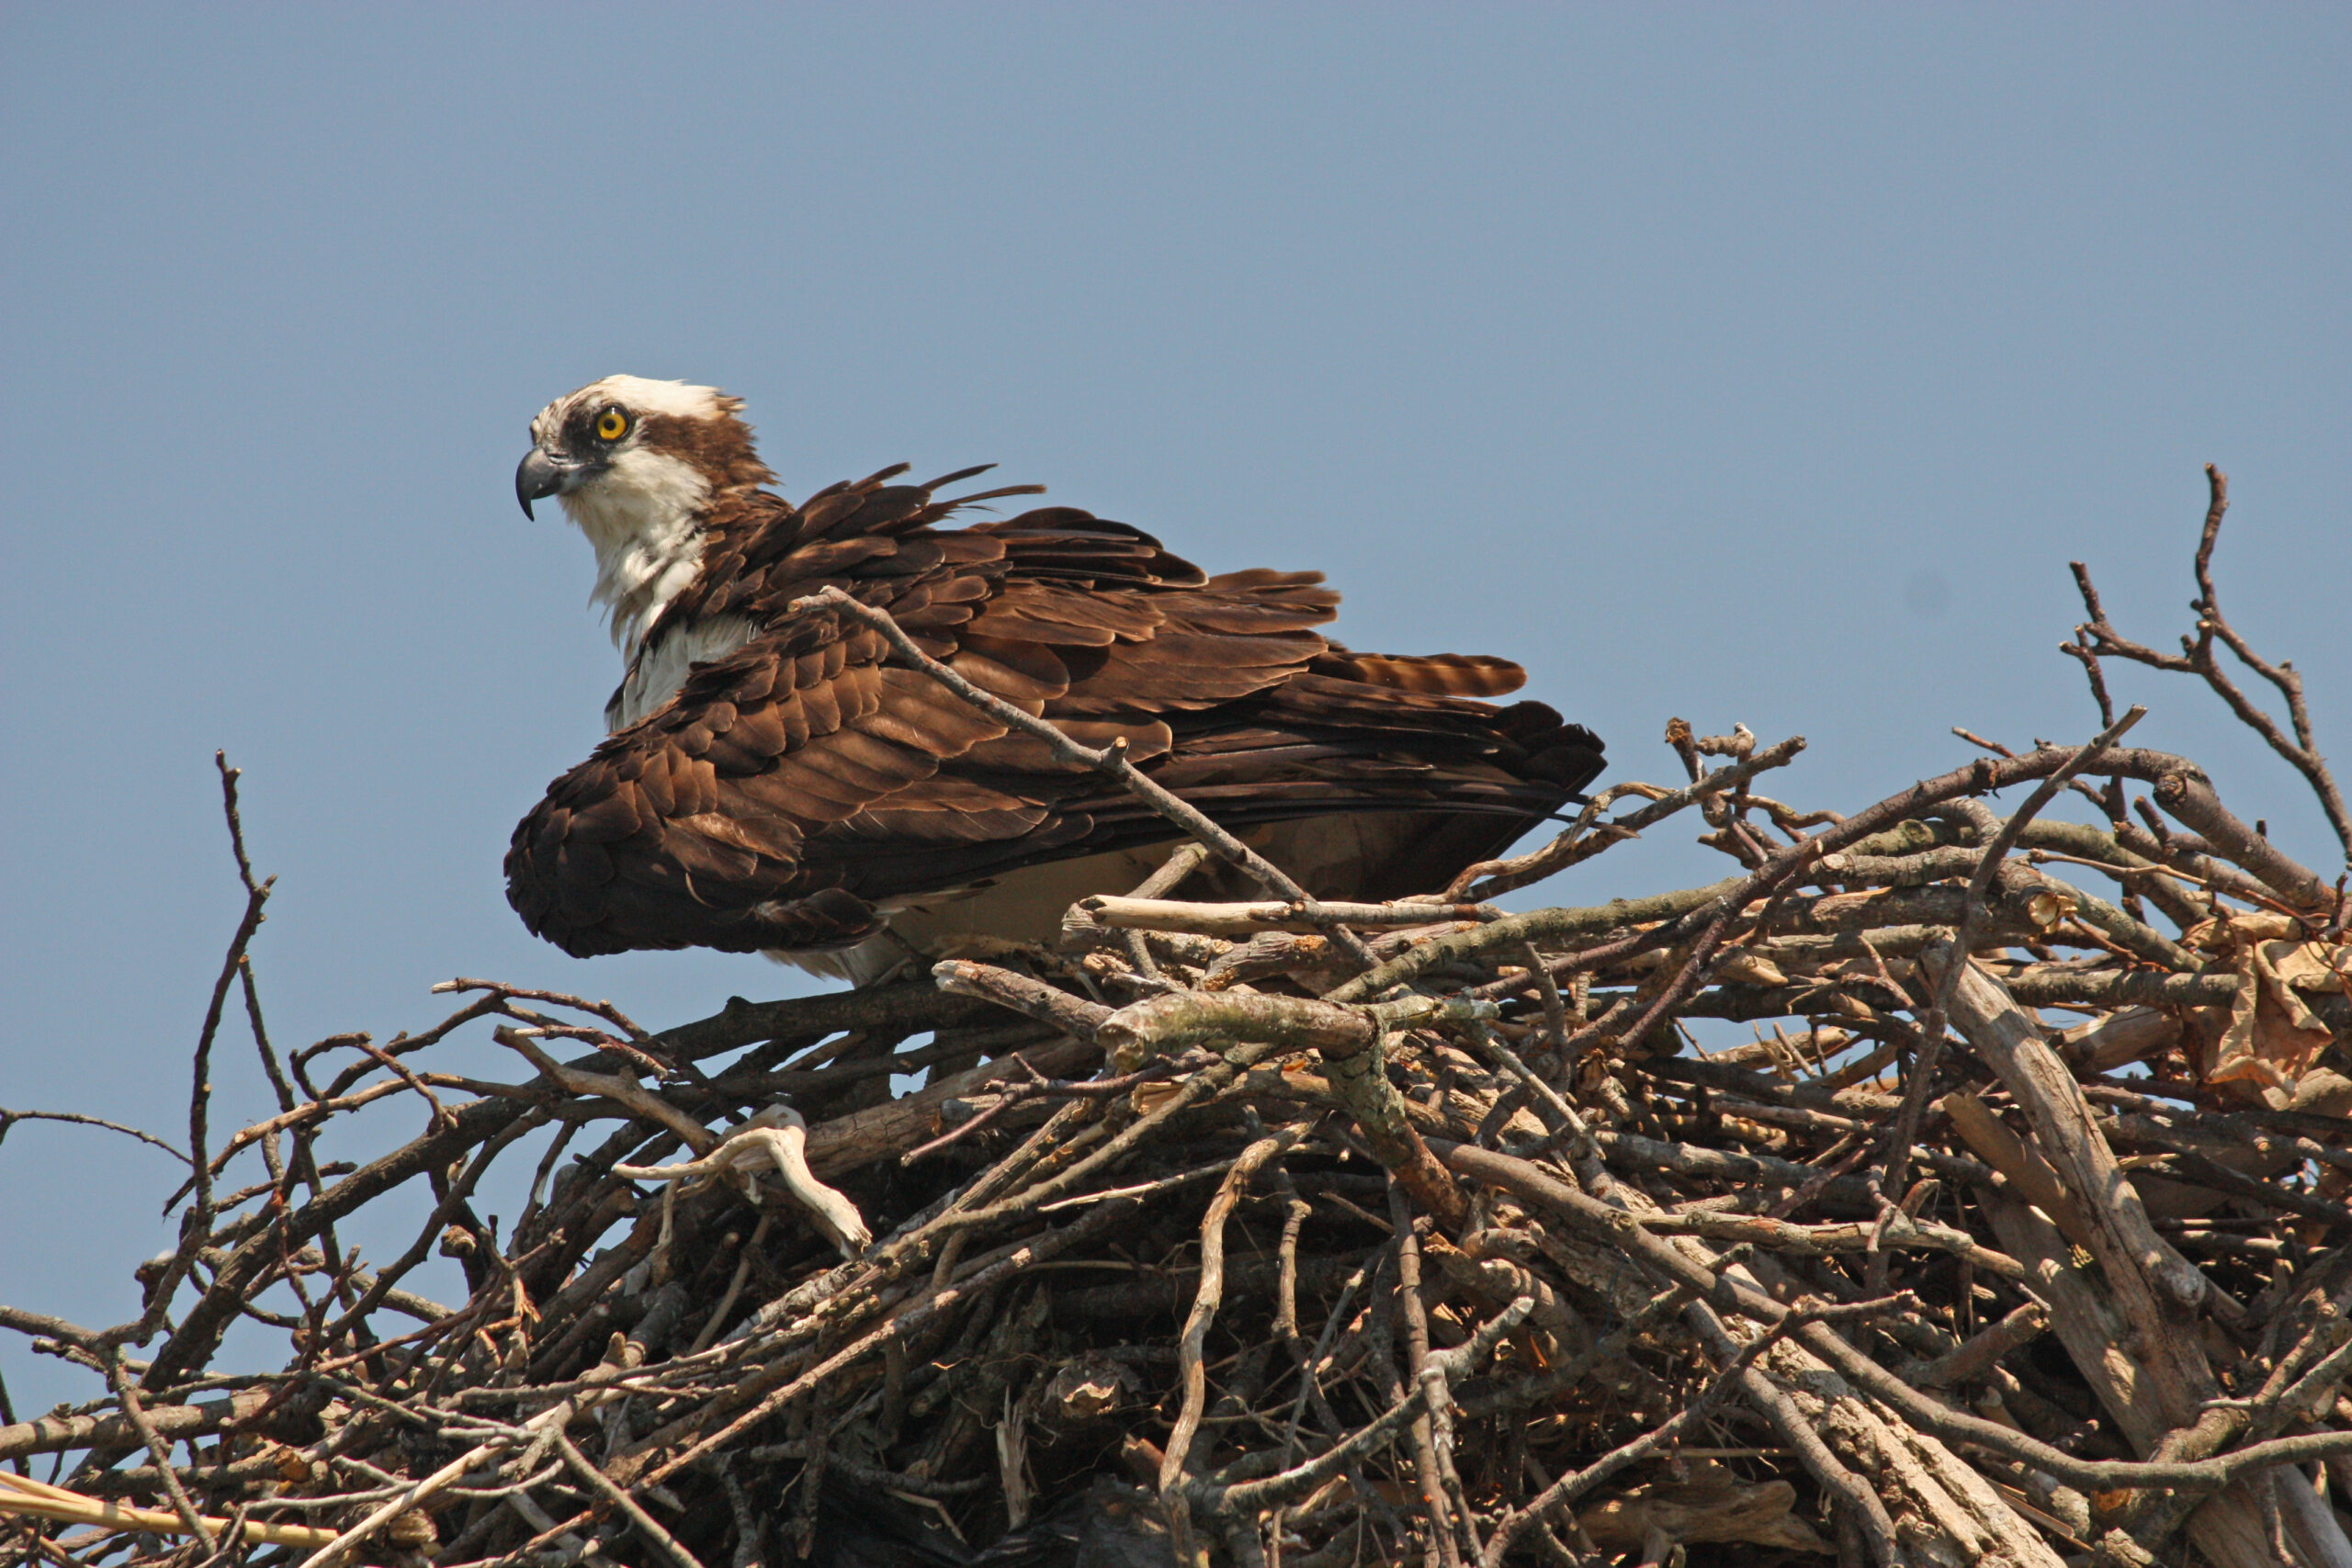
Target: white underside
986	921
1025	910
662	666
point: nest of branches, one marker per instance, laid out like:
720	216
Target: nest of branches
1313	1235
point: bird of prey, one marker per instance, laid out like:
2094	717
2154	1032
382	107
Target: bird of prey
773	781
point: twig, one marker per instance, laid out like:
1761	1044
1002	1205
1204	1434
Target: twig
602	1485
10	1118
1587	837
2197	658
1208	1296
1895	1172
136	1415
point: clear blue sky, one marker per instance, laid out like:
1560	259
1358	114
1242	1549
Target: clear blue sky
1761	364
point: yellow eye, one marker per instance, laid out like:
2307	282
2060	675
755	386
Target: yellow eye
611	426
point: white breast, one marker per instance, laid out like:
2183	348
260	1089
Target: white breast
662	665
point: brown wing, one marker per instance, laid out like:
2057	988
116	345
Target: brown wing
689	829
794	786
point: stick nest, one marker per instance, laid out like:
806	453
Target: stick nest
1942	1186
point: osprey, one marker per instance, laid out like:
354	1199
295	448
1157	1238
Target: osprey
773	782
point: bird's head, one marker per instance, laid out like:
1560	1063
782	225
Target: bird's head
636	464
624	453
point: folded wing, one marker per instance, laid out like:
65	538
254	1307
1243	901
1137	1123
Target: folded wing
796	790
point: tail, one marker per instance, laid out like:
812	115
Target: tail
1434	674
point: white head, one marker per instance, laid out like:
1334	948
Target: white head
635	464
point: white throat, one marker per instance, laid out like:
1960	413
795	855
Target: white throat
643	515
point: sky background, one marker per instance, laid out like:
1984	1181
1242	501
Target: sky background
1746	364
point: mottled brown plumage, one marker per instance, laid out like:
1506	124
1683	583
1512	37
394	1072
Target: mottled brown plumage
800	788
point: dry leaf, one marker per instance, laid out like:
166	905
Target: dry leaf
2272	1037
1751	968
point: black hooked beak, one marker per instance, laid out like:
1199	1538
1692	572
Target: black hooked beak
538	476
